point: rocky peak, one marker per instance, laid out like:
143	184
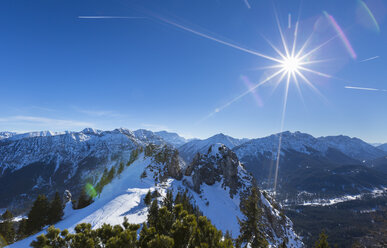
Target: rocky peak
218	163
168	157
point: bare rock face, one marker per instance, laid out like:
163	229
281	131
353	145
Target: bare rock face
173	166
168	157
66	197
219	163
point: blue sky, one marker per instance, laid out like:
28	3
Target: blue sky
59	72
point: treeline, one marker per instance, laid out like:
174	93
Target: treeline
42	213
171	223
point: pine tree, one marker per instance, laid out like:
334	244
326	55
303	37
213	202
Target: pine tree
227	241
121	168
84	200
161	241
37	217
250	229
168	200
153	213
53	239
148	198
7	230
55	212
322	242
111	174
22	230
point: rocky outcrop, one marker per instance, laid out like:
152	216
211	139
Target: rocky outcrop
66	197
168	158
220	163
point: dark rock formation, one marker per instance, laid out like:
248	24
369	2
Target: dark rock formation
219	163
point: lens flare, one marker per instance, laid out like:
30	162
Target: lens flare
90	190
363	6
341	34
255	94
290	64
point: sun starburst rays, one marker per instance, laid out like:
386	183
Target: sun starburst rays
290	65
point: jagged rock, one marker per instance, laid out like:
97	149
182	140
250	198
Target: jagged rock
67	196
173	167
219	163
169	158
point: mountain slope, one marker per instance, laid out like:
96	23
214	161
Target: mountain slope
311	167
123	197
383	147
353	147
188	150
172	138
35	165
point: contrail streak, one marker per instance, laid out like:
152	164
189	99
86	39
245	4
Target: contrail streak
363	88
247	4
372	58
111	17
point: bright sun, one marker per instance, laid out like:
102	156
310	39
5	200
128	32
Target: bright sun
291	64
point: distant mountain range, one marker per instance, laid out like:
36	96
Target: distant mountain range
383	147
35	162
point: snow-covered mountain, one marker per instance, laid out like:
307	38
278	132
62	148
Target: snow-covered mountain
217	194
304	143
6	135
147	136
322	167
353	147
188	150
383	147
172	138
36	164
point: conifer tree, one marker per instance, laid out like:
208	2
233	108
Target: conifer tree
7	230
55	212
227	241
121	168
161	241
54	238
22	230
146	235
322	242
153	213
37	217
250	228
84	200
111	174
168	200
148	198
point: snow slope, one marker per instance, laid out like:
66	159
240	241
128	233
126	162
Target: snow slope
123	197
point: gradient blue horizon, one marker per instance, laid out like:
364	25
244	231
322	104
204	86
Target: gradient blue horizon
59	72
